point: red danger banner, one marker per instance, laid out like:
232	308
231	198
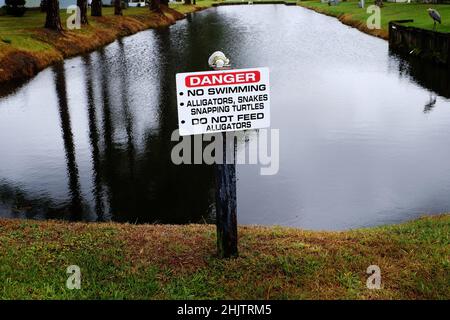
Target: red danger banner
223	78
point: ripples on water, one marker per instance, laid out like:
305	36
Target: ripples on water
361	144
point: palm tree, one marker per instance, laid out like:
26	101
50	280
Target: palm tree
83	5
96	8
43	5
53	19
155	5
118	7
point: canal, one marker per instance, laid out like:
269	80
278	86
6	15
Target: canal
364	134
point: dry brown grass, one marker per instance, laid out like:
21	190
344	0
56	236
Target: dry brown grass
173	262
183	248
347	19
292	263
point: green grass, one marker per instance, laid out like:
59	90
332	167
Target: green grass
27	34
26	47
390	11
122	261
200	3
19	32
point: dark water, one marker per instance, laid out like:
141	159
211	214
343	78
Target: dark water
359	146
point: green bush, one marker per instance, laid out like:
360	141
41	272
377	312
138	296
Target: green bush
15	7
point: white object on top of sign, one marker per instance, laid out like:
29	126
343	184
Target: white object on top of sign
226	100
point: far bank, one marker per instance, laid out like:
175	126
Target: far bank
349	13
408	26
27	48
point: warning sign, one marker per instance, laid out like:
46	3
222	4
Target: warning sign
217	101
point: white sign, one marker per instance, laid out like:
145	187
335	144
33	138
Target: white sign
227	100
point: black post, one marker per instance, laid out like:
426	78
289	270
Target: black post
226	205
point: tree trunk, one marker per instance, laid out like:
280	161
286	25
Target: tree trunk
53	20
96	8
118	7
155	5
165	2
83	5
187	2
43	6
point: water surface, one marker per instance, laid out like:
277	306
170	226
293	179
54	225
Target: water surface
361	144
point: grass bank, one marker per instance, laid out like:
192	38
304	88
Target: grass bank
178	262
350	14
27	48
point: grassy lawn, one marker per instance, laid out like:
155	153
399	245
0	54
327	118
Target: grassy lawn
200	3
178	262
26	47
390	11
20	32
